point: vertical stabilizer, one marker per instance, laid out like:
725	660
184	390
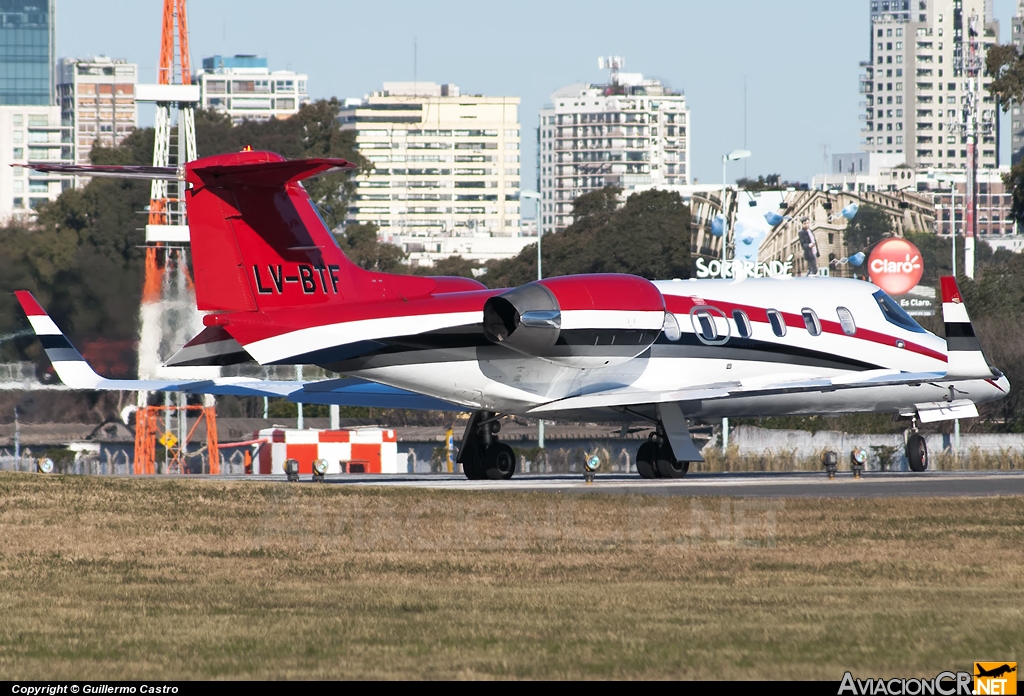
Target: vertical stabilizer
966	359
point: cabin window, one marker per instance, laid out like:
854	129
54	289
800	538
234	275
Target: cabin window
894	314
711	325
846	321
671	327
777	322
811	321
707	326
742	323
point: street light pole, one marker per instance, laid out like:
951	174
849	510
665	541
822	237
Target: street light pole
731	157
540	276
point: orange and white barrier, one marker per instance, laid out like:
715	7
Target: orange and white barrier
366	450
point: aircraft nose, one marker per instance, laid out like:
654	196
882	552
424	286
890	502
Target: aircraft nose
1004	384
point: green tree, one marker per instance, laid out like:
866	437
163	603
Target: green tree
359	242
451	266
1006	65
649	236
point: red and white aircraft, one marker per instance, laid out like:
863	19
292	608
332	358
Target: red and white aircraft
608	347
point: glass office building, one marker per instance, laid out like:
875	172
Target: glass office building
26	52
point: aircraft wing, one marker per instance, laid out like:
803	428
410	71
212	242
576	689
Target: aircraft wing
75	372
629	396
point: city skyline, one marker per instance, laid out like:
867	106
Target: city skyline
800	63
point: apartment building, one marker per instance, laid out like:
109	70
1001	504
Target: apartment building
1017	120
30	134
243	87
629	132
97	102
446	170
916	84
862	173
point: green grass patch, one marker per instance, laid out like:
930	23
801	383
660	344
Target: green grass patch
167	579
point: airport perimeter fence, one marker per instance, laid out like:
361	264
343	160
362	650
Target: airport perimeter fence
763	451
114	461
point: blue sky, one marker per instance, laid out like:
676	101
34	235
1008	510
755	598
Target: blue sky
799	58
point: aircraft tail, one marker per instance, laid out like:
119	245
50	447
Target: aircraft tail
259	243
963	349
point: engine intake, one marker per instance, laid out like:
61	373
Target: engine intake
526	319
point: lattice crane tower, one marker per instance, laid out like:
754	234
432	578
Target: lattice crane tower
168	316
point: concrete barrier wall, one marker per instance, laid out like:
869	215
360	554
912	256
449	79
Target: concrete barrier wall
752	441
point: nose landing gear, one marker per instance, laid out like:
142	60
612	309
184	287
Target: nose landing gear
917	451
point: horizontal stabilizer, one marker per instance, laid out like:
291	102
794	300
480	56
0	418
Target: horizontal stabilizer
270	171
109	170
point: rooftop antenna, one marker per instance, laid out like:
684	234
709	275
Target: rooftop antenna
745	124
613	64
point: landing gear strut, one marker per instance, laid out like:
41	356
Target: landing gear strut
481	455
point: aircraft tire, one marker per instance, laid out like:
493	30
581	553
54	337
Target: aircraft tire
645	457
917	452
668	466
472	464
499	462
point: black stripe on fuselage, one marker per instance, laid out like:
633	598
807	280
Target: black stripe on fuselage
690	346
469	343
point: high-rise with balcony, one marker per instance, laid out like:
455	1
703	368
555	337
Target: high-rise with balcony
445	177
1017	118
243	87
97	102
916	83
629	132
27	40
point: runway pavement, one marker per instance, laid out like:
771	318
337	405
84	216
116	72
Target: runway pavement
755	485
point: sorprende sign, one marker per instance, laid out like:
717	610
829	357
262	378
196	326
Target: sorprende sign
895	266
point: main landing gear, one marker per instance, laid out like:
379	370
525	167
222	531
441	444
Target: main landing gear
655	459
481	455
669	450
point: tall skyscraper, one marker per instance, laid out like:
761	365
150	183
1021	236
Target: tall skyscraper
446	170
27	44
916	84
629	132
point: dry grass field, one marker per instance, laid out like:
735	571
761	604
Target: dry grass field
159	578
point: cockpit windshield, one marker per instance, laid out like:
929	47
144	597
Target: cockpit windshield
894	314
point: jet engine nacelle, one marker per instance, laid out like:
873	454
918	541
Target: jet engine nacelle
581	321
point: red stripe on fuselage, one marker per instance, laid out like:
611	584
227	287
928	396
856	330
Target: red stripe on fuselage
681	304
256	326
606	291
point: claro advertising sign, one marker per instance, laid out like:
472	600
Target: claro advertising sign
895	265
